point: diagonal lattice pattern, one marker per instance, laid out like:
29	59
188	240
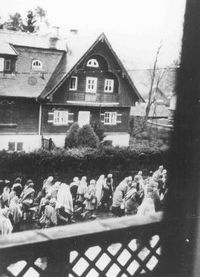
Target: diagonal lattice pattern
131	257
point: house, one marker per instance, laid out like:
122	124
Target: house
46	86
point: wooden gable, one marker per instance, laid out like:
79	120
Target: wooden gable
73	87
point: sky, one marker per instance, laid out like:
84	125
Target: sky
146	23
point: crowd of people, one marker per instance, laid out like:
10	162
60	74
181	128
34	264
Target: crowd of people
58	203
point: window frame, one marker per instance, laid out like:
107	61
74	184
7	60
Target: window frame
92	63
5	63
37	67
76	83
110	118
60	118
2	63
110	86
89	90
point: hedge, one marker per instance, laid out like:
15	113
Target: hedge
78	162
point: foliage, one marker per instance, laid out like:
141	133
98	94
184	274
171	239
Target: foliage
29	24
15	22
87	137
99	130
78	162
71	138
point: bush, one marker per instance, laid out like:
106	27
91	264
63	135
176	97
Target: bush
91	162
87	137
99	130
72	136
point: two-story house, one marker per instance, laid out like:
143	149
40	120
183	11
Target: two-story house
46	89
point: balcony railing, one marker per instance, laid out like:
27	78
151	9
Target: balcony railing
127	246
93	97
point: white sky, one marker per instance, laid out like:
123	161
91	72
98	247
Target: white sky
147	22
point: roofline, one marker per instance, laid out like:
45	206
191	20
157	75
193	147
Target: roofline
39	48
26	97
102	35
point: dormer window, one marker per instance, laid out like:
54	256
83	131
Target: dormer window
73	83
109	85
36	65
93	63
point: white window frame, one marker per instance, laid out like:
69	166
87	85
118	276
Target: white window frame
60	118
108	85
110	118
16	145
76	83
37	65
93	63
91	84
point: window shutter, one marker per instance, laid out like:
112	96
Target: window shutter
50	117
102	116
119	118
70	117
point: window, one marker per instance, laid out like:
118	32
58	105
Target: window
37	65
91	84
60	117
15	146
73	83
110	118
7	65
108	85
92	63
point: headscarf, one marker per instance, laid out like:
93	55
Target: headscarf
82	188
48	183
5	224
99	188
64	198
27	193
15	209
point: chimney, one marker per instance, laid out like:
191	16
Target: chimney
54	37
74	31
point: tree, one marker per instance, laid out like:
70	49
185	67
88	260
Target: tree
99	130
14	22
30	22
71	138
87	137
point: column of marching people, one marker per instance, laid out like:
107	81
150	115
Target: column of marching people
58	203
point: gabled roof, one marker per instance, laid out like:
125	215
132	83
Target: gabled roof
78	49
26	83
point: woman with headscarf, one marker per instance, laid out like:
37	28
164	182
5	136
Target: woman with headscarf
5	223
131	203
119	195
107	192
47	184
5	197
64	205
27	199
49	217
99	189
90	200
82	188
15	208
74	188
147	207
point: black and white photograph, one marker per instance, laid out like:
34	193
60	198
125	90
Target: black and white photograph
100	138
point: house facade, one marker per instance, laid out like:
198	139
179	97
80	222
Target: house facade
45	89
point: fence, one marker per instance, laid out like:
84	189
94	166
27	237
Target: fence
127	246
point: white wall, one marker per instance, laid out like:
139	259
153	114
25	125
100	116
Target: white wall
118	139
30	142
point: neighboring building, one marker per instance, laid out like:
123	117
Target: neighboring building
45	87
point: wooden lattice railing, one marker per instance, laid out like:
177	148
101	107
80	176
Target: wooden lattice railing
128	246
